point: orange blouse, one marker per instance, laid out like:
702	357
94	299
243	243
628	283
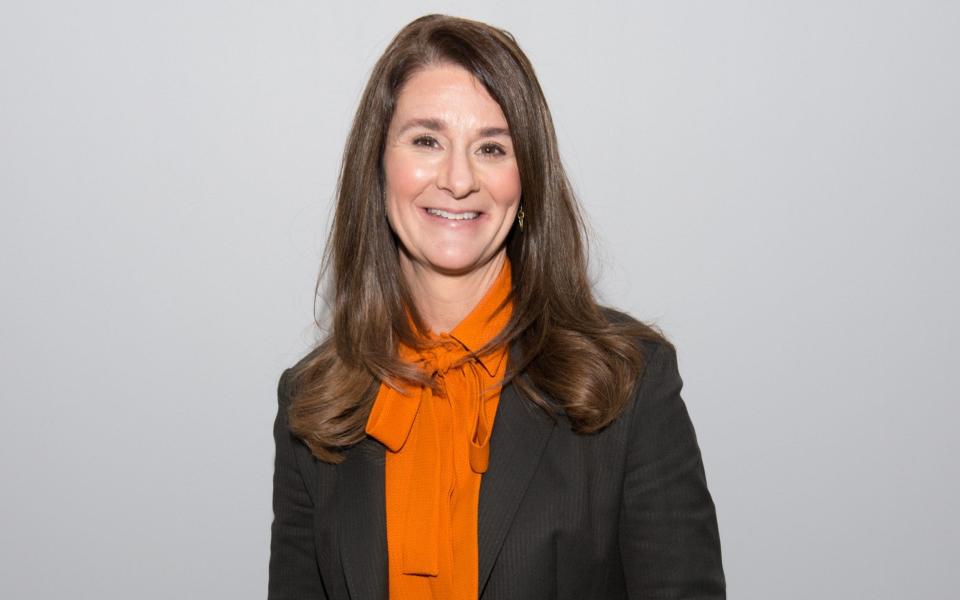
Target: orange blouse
438	449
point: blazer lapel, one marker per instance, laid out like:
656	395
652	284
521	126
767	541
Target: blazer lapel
520	434
361	508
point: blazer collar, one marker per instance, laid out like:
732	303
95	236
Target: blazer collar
520	434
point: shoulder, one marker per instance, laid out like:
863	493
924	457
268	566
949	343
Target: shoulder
616	316
648	339
294	375
658	382
657	417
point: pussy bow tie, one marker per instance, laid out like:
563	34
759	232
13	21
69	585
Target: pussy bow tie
395	413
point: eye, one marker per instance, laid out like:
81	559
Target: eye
426	141
492	149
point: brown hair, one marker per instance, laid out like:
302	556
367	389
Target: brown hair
585	357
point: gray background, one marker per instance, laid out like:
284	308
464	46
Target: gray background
773	183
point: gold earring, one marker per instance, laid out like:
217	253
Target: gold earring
520	217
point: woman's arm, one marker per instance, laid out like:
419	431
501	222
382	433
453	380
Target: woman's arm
668	526
294	574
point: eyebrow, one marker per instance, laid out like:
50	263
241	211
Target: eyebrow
439	125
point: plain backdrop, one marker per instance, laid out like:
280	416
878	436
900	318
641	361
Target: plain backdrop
775	184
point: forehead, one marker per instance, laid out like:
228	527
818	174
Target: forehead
447	90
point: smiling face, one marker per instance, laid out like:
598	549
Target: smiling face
452	183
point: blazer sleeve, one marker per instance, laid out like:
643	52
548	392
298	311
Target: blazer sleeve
669	539
294	573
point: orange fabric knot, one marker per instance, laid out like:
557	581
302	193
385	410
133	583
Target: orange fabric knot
439	446
438	361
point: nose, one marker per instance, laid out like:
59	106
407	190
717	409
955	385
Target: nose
457	175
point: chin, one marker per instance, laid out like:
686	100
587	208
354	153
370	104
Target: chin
453	267
454	261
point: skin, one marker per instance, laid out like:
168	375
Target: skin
449	148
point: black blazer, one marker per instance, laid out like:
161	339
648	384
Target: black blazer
623	513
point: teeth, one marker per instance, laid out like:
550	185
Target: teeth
464	216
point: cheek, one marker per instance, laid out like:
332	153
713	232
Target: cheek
405	177
504	186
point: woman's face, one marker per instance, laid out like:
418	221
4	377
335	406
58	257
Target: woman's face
452	182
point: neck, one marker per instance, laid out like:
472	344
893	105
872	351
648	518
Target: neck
443	300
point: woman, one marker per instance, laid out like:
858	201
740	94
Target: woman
475	425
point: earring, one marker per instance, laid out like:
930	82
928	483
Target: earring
520	217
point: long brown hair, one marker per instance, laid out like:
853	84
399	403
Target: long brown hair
586	358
